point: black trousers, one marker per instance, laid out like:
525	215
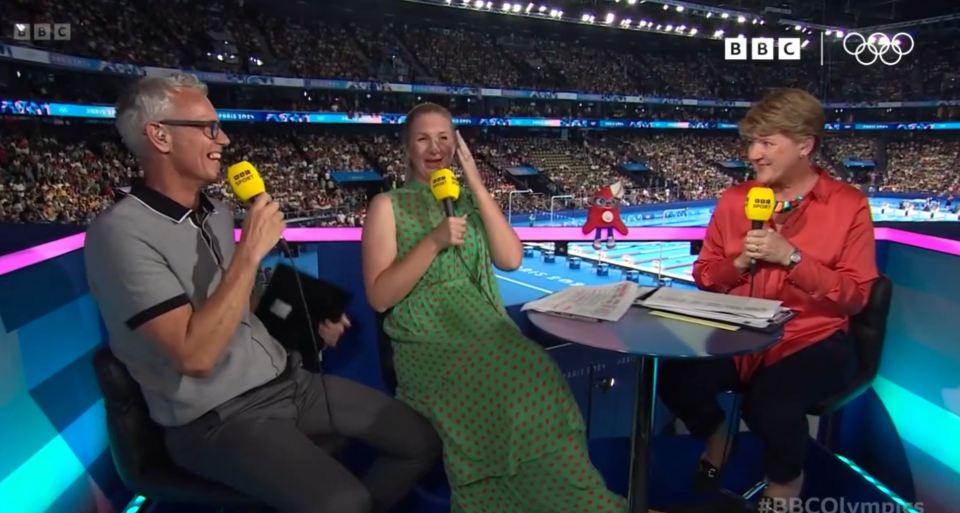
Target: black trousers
775	400
261	443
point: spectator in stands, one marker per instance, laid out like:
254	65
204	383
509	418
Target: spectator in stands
175	293
502	407
816	256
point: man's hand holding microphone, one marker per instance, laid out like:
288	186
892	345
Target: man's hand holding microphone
261	230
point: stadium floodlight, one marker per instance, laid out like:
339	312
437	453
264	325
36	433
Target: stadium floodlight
542	8
725	15
478	4
529	8
839	34
669	28
665	7
679	8
631	2
694	31
828	33
610	17
517	7
710	14
797	27
805	44
741	19
489	4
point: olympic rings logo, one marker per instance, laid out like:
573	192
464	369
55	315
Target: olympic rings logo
878	46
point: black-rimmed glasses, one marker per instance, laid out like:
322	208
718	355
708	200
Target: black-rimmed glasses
211	129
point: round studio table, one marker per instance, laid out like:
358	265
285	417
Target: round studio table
651	338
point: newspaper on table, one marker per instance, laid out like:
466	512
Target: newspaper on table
711	305
603	302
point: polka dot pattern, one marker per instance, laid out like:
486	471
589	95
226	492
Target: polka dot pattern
513	436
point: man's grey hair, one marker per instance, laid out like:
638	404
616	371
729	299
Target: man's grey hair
149	99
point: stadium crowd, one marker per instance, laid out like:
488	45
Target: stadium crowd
217	35
68	174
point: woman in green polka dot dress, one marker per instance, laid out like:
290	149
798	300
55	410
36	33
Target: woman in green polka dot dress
513	436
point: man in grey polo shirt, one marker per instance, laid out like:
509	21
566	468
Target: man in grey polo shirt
174	290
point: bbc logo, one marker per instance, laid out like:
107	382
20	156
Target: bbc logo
762	49
41	31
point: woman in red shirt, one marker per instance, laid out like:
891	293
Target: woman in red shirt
816	255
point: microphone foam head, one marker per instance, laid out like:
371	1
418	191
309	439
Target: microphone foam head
760	204
443	185
245	181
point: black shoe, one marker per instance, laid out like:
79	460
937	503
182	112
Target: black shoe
707	478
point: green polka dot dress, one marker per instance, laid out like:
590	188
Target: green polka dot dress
513	436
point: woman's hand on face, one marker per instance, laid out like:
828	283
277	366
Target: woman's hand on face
470	172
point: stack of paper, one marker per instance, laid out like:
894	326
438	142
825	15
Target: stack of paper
748	311
598	303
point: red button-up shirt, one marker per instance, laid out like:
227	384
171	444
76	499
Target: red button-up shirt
833	231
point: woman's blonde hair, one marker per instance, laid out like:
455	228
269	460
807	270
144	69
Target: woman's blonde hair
792	112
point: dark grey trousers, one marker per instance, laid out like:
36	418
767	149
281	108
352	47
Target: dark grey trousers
262	444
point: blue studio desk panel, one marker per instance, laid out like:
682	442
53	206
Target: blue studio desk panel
905	432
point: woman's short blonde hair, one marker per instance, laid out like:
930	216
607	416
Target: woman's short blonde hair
794	113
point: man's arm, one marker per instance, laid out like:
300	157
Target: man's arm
131	277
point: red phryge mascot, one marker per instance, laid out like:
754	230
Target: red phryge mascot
604	212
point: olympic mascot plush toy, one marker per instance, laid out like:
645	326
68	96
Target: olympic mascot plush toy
604	212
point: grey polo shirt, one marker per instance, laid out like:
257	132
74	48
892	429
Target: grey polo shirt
148	255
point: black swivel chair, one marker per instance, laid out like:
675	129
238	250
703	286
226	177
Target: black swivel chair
138	450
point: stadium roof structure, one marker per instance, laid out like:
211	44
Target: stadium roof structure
850	13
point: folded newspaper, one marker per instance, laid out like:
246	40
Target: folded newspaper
603	302
749	311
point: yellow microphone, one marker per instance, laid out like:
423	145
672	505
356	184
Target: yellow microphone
759	206
245	181
247	184
445	189
759	209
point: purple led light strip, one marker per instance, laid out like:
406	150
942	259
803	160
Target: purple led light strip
30	256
